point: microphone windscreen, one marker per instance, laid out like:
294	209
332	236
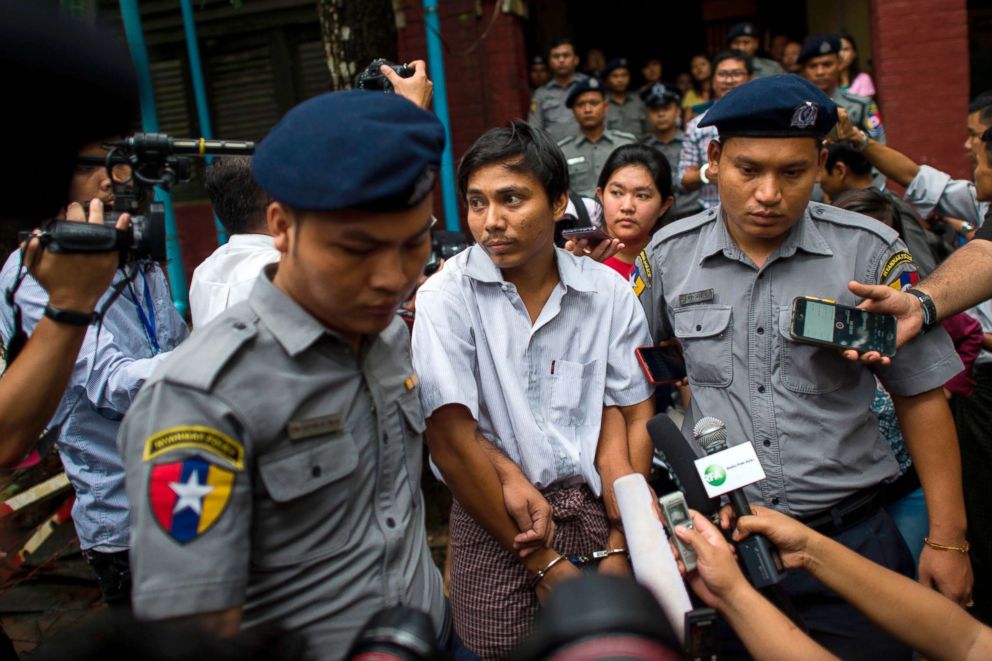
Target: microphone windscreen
666	437
650	554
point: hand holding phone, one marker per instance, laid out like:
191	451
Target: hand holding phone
826	323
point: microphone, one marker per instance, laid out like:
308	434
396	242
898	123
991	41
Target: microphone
654	566
756	552
668	439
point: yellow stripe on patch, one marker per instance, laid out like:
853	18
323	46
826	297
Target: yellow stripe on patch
638	286
411	382
214	502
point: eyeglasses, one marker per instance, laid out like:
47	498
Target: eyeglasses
739	74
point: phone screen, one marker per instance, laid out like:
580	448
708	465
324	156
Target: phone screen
844	326
661	364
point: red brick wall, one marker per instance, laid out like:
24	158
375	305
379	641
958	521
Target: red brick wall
920	63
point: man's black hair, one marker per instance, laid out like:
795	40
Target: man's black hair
636	154
985	115
870	202
238	201
521	148
980	102
843	152
734	54
562	41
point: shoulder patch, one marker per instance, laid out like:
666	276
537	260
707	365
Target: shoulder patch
199	438
188	496
899	258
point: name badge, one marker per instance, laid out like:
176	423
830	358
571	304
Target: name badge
576	159
730	469
300	429
700	296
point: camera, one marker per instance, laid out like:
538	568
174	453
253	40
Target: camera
444	246
373	79
136	165
398	633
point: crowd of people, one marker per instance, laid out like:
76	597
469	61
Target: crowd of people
264	468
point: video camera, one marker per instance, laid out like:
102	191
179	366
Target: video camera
136	165
373	79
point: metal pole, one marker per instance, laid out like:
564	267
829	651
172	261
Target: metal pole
435	66
199	92
149	123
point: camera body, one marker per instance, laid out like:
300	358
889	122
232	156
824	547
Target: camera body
373	79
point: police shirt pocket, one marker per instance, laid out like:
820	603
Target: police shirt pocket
567	391
307	512
807	368
705	332
413	424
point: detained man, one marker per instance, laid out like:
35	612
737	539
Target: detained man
532	392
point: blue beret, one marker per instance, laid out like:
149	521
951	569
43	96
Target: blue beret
588	85
784	106
660	95
351	150
615	63
741	30
819	44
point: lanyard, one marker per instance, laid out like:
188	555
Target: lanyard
147	320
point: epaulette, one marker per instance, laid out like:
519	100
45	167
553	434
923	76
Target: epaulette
565	141
195	366
684	225
624	134
831	214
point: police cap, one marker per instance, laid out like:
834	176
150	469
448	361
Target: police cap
660	95
538	60
741	30
614	64
817	45
357	149
588	85
784	106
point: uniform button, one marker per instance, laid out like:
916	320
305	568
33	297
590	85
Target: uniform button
240	325
774	501
760	331
315	471
761	388
391	522
699	327
766	442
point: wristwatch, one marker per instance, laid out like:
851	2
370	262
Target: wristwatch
702	173
928	308
860	146
69	317
967	228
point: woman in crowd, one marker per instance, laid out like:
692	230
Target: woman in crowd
635	188
700	94
852	78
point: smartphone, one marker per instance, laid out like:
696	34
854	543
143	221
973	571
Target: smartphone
676	513
591	234
824	322
662	365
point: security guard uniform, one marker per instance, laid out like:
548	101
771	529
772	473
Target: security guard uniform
269	466
686	202
586	158
629	116
762	66
548	110
805	408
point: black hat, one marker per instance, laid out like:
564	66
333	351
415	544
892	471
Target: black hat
741	30
660	95
615	63
588	85
817	45
784	106
351	150
538	59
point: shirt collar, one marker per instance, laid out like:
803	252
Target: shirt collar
571	271
803	236
605	135
292	326
251	240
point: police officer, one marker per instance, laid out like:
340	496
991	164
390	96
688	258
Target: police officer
273	464
538	74
547	107
820	64
723	283
586	151
744	37
626	111
664	104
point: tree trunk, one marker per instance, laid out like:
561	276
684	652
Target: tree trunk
355	32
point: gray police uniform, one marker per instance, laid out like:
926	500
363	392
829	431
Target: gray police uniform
272	468
762	66
548	111
932	190
863	113
686	202
805	408
586	159
631	116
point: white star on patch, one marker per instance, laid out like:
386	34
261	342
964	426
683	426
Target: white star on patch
190	493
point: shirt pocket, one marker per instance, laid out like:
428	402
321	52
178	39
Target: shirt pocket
306	513
411	416
568	393
705	332
807	368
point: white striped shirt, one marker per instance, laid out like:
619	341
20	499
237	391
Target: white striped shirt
536	390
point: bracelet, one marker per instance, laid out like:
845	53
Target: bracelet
943	547
702	173
927	307
69	317
544	572
860	147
